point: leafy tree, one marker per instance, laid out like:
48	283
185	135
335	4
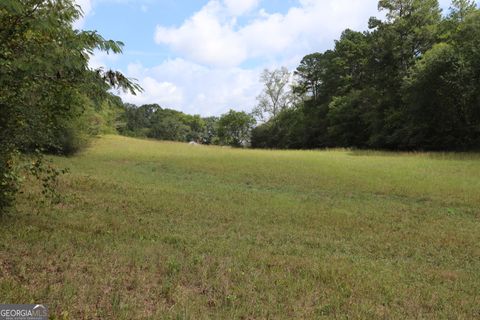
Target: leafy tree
152	121
234	128
346	118
211	135
197	128
410	82
288	131
309	72
276	95
349	66
45	81
442	92
431	95
169	127
138	120
461	9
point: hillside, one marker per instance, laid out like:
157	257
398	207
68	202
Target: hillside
167	230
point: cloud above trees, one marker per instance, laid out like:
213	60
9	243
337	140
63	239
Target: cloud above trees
223	47
218	36
220	50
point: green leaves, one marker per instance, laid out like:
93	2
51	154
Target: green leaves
12	6
411	82
45	81
117	80
234	128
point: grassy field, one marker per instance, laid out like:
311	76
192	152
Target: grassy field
171	231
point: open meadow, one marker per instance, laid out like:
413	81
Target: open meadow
163	230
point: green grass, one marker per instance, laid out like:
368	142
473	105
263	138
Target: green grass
170	231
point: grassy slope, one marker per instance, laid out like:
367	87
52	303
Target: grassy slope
168	230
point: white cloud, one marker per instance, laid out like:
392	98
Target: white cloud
212	35
195	89
239	7
163	93
213	45
86	6
206	37
101	59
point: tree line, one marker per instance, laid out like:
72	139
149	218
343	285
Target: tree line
152	121
410	82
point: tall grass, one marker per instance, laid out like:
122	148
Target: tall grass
171	231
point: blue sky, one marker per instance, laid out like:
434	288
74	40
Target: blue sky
205	56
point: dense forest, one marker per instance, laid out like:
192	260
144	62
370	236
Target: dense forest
411	82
